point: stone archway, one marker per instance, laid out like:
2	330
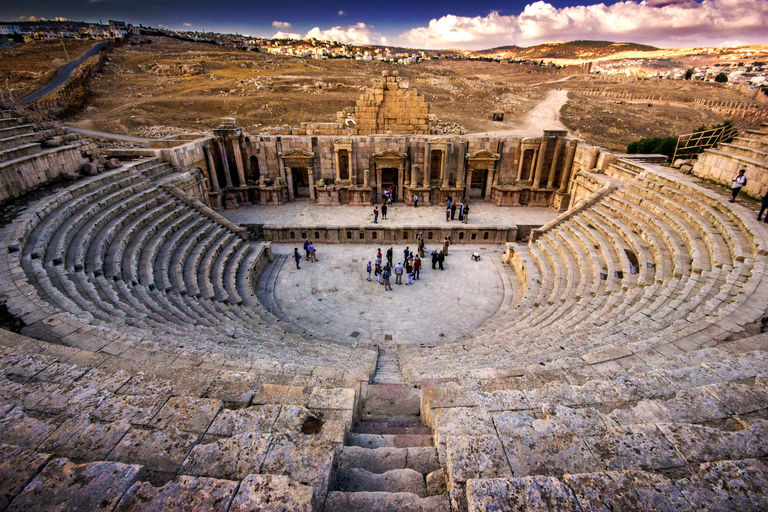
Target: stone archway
299	172
481	174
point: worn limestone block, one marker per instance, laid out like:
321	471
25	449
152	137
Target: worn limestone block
63	486
18	467
146	384
279	394
697	443
345	416
62	373
727	486
291	419
257	418
630	490
377	460
422	459
586	421
475	457
509	400
303	460
137	409
635	447
547	453
437	482
531	493
233	458
739	398
80	438
26	395
233	387
645	411
553	392
159	450
385	502
694	406
335	398
18	428
272	493
187	413
185	494
72	401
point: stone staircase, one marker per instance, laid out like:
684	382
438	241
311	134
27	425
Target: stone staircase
387	367
389	462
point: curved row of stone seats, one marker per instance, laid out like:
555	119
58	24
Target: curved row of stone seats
78	426
119	251
707	261
672	415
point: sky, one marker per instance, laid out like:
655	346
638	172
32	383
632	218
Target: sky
479	24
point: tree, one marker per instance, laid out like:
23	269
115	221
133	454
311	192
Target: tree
721	78
689	73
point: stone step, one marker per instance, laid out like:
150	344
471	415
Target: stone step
385	427
388	440
338	501
391	400
11	131
380	460
392	481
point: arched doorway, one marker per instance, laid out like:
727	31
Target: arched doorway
254	173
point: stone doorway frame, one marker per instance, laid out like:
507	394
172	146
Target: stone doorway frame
389	159
298	158
479	161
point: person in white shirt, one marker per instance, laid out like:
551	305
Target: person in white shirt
739	182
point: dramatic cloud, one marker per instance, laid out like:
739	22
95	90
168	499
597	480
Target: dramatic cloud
281	24
661	22
359	34
286	35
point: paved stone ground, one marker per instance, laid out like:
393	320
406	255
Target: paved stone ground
306	214
332	299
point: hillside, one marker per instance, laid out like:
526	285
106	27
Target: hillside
567	50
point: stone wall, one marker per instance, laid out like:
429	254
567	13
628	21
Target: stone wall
391	107
23	174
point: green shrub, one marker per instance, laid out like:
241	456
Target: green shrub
654	145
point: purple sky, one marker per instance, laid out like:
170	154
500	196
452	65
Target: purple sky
432	24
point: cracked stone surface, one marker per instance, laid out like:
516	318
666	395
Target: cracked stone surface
272	493
185	494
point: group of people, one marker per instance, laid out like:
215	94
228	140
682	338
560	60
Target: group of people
382	266
451	208
376	213
309	249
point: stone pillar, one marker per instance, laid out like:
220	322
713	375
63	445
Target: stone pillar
407	172
520	164
462	164
336	164
280	162
400	187
569	155
238	161
427	162
489	182
415	176
540	162
212	171
593	154
553	167
378	181
225	163
289	180
366	178
444	171
311	177
468	184
426	177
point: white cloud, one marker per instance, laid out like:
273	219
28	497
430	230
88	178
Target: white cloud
60	18
187	24
286	35
342	13
383	40
358	34
661	22
281	24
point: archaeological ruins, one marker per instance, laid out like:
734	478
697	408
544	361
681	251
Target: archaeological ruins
594	343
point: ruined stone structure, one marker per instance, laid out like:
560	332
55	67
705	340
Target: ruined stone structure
390	107
627	372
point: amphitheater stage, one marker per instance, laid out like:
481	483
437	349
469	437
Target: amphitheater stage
303	214
331	299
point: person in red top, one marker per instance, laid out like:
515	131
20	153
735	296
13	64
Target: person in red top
375	214
416	267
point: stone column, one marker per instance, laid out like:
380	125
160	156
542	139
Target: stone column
489	182
462	164
336	164
225	163
427	161
238	161
426	177
311	177
400	172
594	153
445	172
540	162
415	176
212	171
366	177
289	180
280	162
378	181
468	184
520	164
569	154
553	167
407	173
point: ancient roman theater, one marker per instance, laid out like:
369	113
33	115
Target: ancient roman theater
592	340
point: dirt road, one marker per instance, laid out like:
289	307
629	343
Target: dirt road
544	116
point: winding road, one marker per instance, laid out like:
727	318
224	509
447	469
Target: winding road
544	116
65	72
